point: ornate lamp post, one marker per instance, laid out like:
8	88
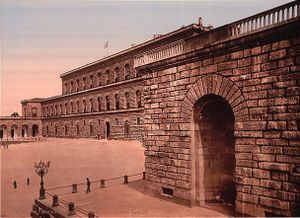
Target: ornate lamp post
41	169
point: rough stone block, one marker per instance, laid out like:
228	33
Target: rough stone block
279	54
276	166
280	176
261	174
264	157
271	184
271	202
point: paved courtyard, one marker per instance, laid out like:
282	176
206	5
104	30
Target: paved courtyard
72	160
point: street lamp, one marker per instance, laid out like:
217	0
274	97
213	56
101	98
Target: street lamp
41	169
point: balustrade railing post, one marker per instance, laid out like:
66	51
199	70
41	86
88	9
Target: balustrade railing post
71	207
125	179
102	183
91	214
54	200
74	188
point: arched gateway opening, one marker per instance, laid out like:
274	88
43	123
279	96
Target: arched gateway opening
213	123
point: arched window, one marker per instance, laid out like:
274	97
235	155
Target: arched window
91	81
107	103
117	101
66	129
99	104
47	111
77	129
47	129
92	105
127	71
117	74
72	107
116	121
34	130
24	111
91	129
34	112
127	103
77	106
84	106
138	98
56	129
138	121
51	110
99	79
71	86
60	109
55	110
66	88
126	129
77	85
107	79
66	108
83	83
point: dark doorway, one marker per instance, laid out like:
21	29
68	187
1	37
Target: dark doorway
214	150
12	133
35	130
107	130
25	131
126	129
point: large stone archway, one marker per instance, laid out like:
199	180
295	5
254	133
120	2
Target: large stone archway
216	85
212	106
214	157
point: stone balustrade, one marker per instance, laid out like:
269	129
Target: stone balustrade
160	53
265	20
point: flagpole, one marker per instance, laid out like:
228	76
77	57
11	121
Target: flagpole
106	47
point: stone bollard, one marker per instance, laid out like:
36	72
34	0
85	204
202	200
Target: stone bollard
102	183
125	179
144	175
74	188
54	201
91	214
71	209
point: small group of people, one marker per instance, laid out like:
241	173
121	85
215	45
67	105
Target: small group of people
15	183
88	184
5	146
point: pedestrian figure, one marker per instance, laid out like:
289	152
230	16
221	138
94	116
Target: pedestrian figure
88	184
15	184
28	181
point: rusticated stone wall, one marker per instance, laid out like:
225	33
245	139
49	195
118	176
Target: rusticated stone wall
260	83
94	126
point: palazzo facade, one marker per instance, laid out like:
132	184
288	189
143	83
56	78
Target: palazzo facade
217	109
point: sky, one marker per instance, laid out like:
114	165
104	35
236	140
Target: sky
41	39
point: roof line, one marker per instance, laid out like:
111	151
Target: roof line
191	26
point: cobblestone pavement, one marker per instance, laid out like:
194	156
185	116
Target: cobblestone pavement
72	160
119	200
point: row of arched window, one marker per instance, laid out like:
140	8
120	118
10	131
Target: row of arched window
93	128
94	105
32	113
97	79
